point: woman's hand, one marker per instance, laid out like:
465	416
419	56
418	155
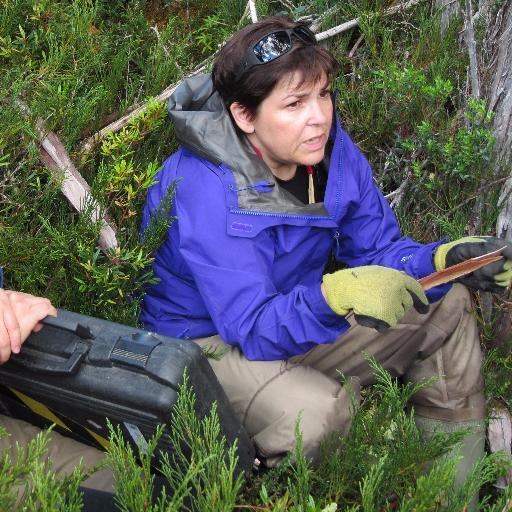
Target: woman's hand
20	314
378	296
495	277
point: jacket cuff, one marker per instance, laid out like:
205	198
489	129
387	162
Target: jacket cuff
424	265
322	310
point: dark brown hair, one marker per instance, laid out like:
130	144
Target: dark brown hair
310	61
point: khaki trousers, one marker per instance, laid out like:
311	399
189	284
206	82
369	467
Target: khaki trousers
64	453
268	396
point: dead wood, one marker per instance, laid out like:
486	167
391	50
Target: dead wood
499	436
252	10
334	31
496	69
73	185
125	120
471	42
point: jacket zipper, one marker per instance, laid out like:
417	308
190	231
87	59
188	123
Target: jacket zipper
282	215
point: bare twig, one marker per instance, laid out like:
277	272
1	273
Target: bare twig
482	10
73	185
338	29
163	96
154	28
125	120
449	10
355	22
289	5
399	192
329	12
483	187
356	46
252	8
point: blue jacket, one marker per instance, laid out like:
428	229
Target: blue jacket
245	259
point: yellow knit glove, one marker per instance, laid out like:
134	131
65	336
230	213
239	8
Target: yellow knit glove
378	296
494	277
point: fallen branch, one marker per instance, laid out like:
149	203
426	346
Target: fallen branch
332	10
252	9
356	46
483	188
163	96
355	22
73	186
125	120
398	194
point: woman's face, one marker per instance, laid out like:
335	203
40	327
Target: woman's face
292	124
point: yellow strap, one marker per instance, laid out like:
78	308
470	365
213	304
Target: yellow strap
39	408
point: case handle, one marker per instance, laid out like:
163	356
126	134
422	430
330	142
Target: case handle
31	360
80	330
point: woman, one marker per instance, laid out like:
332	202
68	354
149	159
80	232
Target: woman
269	186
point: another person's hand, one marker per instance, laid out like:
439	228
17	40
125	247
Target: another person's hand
494	277
378	296
20	314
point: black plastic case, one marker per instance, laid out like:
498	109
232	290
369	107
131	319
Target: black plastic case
79	370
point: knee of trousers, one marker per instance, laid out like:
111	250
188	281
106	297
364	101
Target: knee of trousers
303	398
457	392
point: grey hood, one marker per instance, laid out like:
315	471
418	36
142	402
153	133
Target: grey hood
203	125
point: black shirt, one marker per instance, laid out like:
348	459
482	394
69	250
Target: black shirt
298	185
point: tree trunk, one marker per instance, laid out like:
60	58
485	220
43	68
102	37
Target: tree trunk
497	70
496	57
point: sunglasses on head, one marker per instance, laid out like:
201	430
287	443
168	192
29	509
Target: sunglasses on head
272	46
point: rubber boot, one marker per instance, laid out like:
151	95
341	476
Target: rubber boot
471	449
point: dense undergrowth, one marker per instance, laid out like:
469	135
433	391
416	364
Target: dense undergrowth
402	96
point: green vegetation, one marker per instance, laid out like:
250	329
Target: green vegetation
382	464
79	65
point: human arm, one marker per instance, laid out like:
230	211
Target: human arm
20	314
378	296
369	231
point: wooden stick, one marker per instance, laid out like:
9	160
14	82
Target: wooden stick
73	185
252	8
332	10
163	96
356	46
499	437
355	22
125	120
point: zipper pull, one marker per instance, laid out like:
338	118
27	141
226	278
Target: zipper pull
337	238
